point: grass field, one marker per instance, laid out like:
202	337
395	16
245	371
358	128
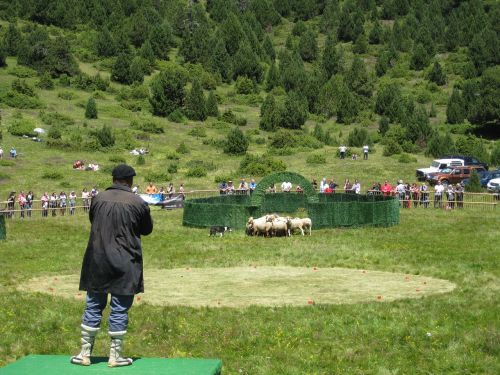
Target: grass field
452	333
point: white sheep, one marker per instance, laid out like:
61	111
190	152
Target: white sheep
280	226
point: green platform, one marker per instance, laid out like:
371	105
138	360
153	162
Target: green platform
59	364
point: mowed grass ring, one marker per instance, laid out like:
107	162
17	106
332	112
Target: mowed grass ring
262	286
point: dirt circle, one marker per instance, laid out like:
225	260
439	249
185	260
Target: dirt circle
262	286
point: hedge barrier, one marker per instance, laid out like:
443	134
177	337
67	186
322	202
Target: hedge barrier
325	210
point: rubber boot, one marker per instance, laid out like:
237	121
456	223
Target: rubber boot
88	338
115	351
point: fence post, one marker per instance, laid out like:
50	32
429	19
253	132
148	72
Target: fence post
3	228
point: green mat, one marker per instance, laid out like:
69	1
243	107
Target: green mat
59	364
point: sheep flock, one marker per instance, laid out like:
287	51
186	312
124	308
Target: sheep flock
273	225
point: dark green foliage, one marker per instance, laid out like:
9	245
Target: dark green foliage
486	108
54	132
417	126
244	85
45	82
220	61
437	75
167	91
91	109
419	58
293	75
359	137
295	111
330	19
375	36
56	119
172	168
358	80
182	149
161	39
389	102
268	48
265	12
21	126
52	175
212	107
392	148
229	117
198	132
455	111
138	68
255	165
270	114
351	23
196	34
383	125
473	146
495	154
195	107
308	47
22	87
474	185
432	111
323	136
236	142
361	44
147	53
12	40
332	59
104	136
316	159
348	106
246	63
141	160
121	69
138	29
148	127
484	50
105	44
3	56
17	100
198	171
439	145
273	77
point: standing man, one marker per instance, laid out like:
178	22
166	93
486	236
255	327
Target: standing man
438	194
342	150
113	263
365	152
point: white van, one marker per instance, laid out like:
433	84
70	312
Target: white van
436	166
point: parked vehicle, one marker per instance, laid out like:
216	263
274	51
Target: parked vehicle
468	160
456	175
494	185
484	177
436	166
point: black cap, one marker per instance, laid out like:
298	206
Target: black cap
123	171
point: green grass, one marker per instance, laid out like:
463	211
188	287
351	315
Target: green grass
365	338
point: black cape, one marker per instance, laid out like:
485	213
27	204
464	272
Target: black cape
113	259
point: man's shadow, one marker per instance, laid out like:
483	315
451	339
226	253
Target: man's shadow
96	360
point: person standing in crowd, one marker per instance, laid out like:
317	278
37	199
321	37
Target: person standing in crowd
365	152
181	191
72	202
332	185
347	186
243	188
53	203
407	199
450	195
322	185
170	190
414	194
342	150
113	264
400	190
314	184
1	152
135	189
356	187
11	199
85	200
45	204
94	192
459	195
62	202
151	189
386	188
29	203
272	188
424	195
252	186
222	188
230	188
438	194
13	153
21	200
162	194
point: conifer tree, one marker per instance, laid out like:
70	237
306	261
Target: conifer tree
330	19
294	114
212	108
268	48
196	35
147	53
329	96
437	75
167	91
383	125
361	44
120	72
236	143
375	36
308	47
91	109
138	68
272	77
292	72
139	29
358	80
196	107
419	59
105	44
3	56
246	63
332	60
161	39
233	33
455	111
270	114
389	102
12	40
220	61
348	106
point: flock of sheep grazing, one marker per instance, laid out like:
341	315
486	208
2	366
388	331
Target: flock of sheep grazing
274	225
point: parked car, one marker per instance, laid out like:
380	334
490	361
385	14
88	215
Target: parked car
468	160
484	177
436	166
456	175
494	185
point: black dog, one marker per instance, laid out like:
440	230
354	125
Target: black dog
215	230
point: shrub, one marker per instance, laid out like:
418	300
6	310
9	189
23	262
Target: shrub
64	80
244	85
54	132
46	82
474	185
141	160
157	176
198	132
236	142
172	168
17	100
229	116
55	119
172	156
52	175
208	165
405	158
148	127
66	95
358	137
104	136
495	154
316	159
283	139
91	109
196	172
391	148
21	71
182	149
255	165
176	116
222	178
22	127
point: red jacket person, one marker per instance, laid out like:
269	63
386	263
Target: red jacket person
113	263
